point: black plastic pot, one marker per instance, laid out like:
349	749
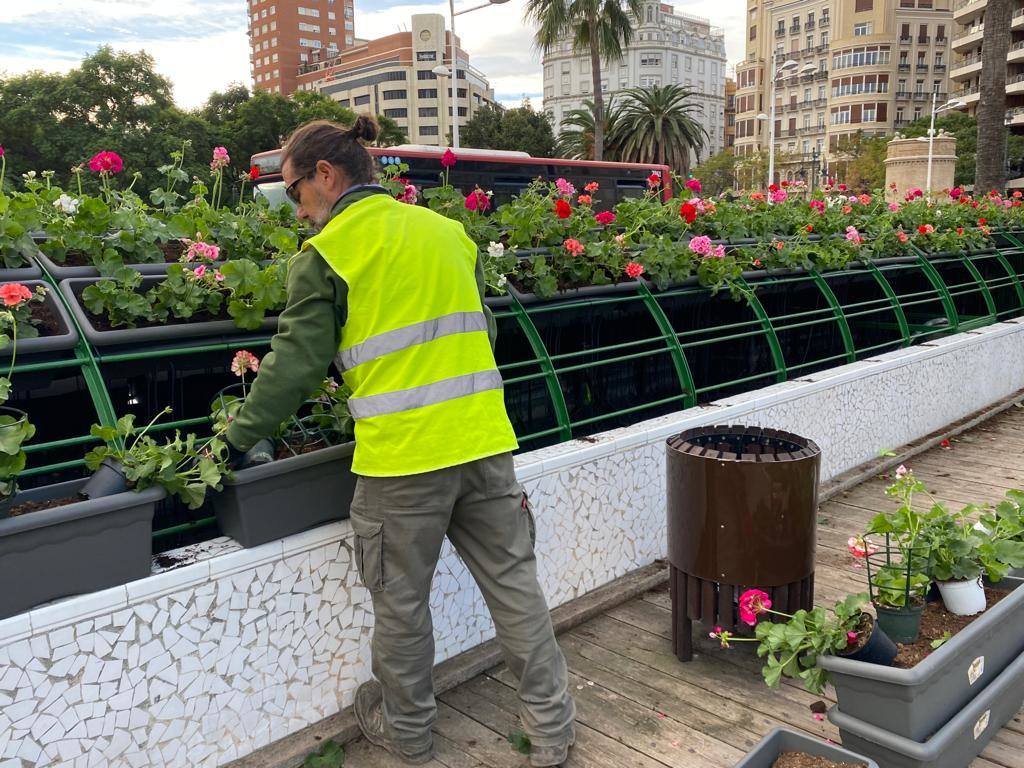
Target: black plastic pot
956	743
66	338
80	547
915	703
902	625
782	740
72	290
108	480
286	496
879	649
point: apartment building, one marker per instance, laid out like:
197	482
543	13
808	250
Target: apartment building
667	47
969	18
730	113
394	76
285	34
866	66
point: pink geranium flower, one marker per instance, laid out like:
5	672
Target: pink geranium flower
447	159
753	603
243	361
779	196
860	547
565	188
477	200
701	245
573	246
200	251
604	217
694	186
220	159
106	162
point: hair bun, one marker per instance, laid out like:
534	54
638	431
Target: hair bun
365	127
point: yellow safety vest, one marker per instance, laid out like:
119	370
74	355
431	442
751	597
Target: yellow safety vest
426	391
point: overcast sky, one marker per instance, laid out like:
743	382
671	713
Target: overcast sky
201	45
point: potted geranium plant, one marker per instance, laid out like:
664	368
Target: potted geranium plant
898	571
310	476
791	648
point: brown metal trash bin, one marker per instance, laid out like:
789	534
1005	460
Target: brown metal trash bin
741	514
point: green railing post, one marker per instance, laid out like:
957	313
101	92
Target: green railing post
941	289
550	377
897	308
982	284
675	349
1013	278
769	330
837	310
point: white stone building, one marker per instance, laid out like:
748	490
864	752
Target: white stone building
667	47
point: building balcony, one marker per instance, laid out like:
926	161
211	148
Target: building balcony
821	74
966	68
780	32
809	24
1015	85
903	66
968	95
1018	19
902	95
1015	116
1016	52
823	22
921	67
965	10
923	40
821	48
969	38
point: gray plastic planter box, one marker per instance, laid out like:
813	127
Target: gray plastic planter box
956	744
286	496
21	274
157	333
915	703
781	740
77	548
65	339
62	272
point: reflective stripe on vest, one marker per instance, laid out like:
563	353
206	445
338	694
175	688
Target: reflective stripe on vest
428	394
409	336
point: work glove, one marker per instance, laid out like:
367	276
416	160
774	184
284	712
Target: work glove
261	453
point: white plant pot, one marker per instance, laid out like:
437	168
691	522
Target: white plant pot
964	598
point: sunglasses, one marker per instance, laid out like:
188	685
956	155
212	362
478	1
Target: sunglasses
292	190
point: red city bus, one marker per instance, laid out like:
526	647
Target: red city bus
505	173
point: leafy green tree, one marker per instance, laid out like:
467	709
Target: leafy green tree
602	28
965	129
861	162
391	133
658	125
718	173
521	128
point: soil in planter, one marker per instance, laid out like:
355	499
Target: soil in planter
935	622
37	506
803	760
288	450
46	319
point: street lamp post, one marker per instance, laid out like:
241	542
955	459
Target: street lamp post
951	104
454	100
443	73
778	72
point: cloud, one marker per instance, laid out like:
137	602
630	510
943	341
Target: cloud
202	46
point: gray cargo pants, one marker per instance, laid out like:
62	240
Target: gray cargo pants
400	523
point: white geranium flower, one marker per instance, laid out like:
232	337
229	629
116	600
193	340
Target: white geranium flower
496	250
67	204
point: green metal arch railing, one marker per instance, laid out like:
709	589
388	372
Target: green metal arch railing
863	310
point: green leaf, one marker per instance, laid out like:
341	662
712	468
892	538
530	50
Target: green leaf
331	755
520	742
938	642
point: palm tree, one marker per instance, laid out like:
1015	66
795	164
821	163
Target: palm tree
601	27
989	169
577	143
657	125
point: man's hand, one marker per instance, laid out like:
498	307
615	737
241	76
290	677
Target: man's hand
261	453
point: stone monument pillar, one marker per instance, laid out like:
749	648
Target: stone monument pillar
906	164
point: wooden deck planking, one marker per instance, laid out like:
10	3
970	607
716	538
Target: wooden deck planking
639	707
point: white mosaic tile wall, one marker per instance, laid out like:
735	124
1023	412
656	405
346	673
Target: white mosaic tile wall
202	664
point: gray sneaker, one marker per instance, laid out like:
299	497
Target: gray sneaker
548	757
370	717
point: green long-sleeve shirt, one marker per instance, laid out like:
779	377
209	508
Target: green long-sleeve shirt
308	337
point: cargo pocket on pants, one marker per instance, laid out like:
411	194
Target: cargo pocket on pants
528	511
369	547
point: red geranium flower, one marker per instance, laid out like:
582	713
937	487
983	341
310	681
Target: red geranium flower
982	221
563	209
604	217
689	212
254	172
14	293
634	270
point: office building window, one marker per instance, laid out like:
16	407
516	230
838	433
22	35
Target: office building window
392	95
428	130
360	100
427	93
304	27
398	112
428	111
425	74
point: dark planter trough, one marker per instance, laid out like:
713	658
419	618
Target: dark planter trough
782	740
63	272
80	547
73	288
915	703
67	336
286	496
954	745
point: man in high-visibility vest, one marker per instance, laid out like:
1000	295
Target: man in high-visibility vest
393	294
